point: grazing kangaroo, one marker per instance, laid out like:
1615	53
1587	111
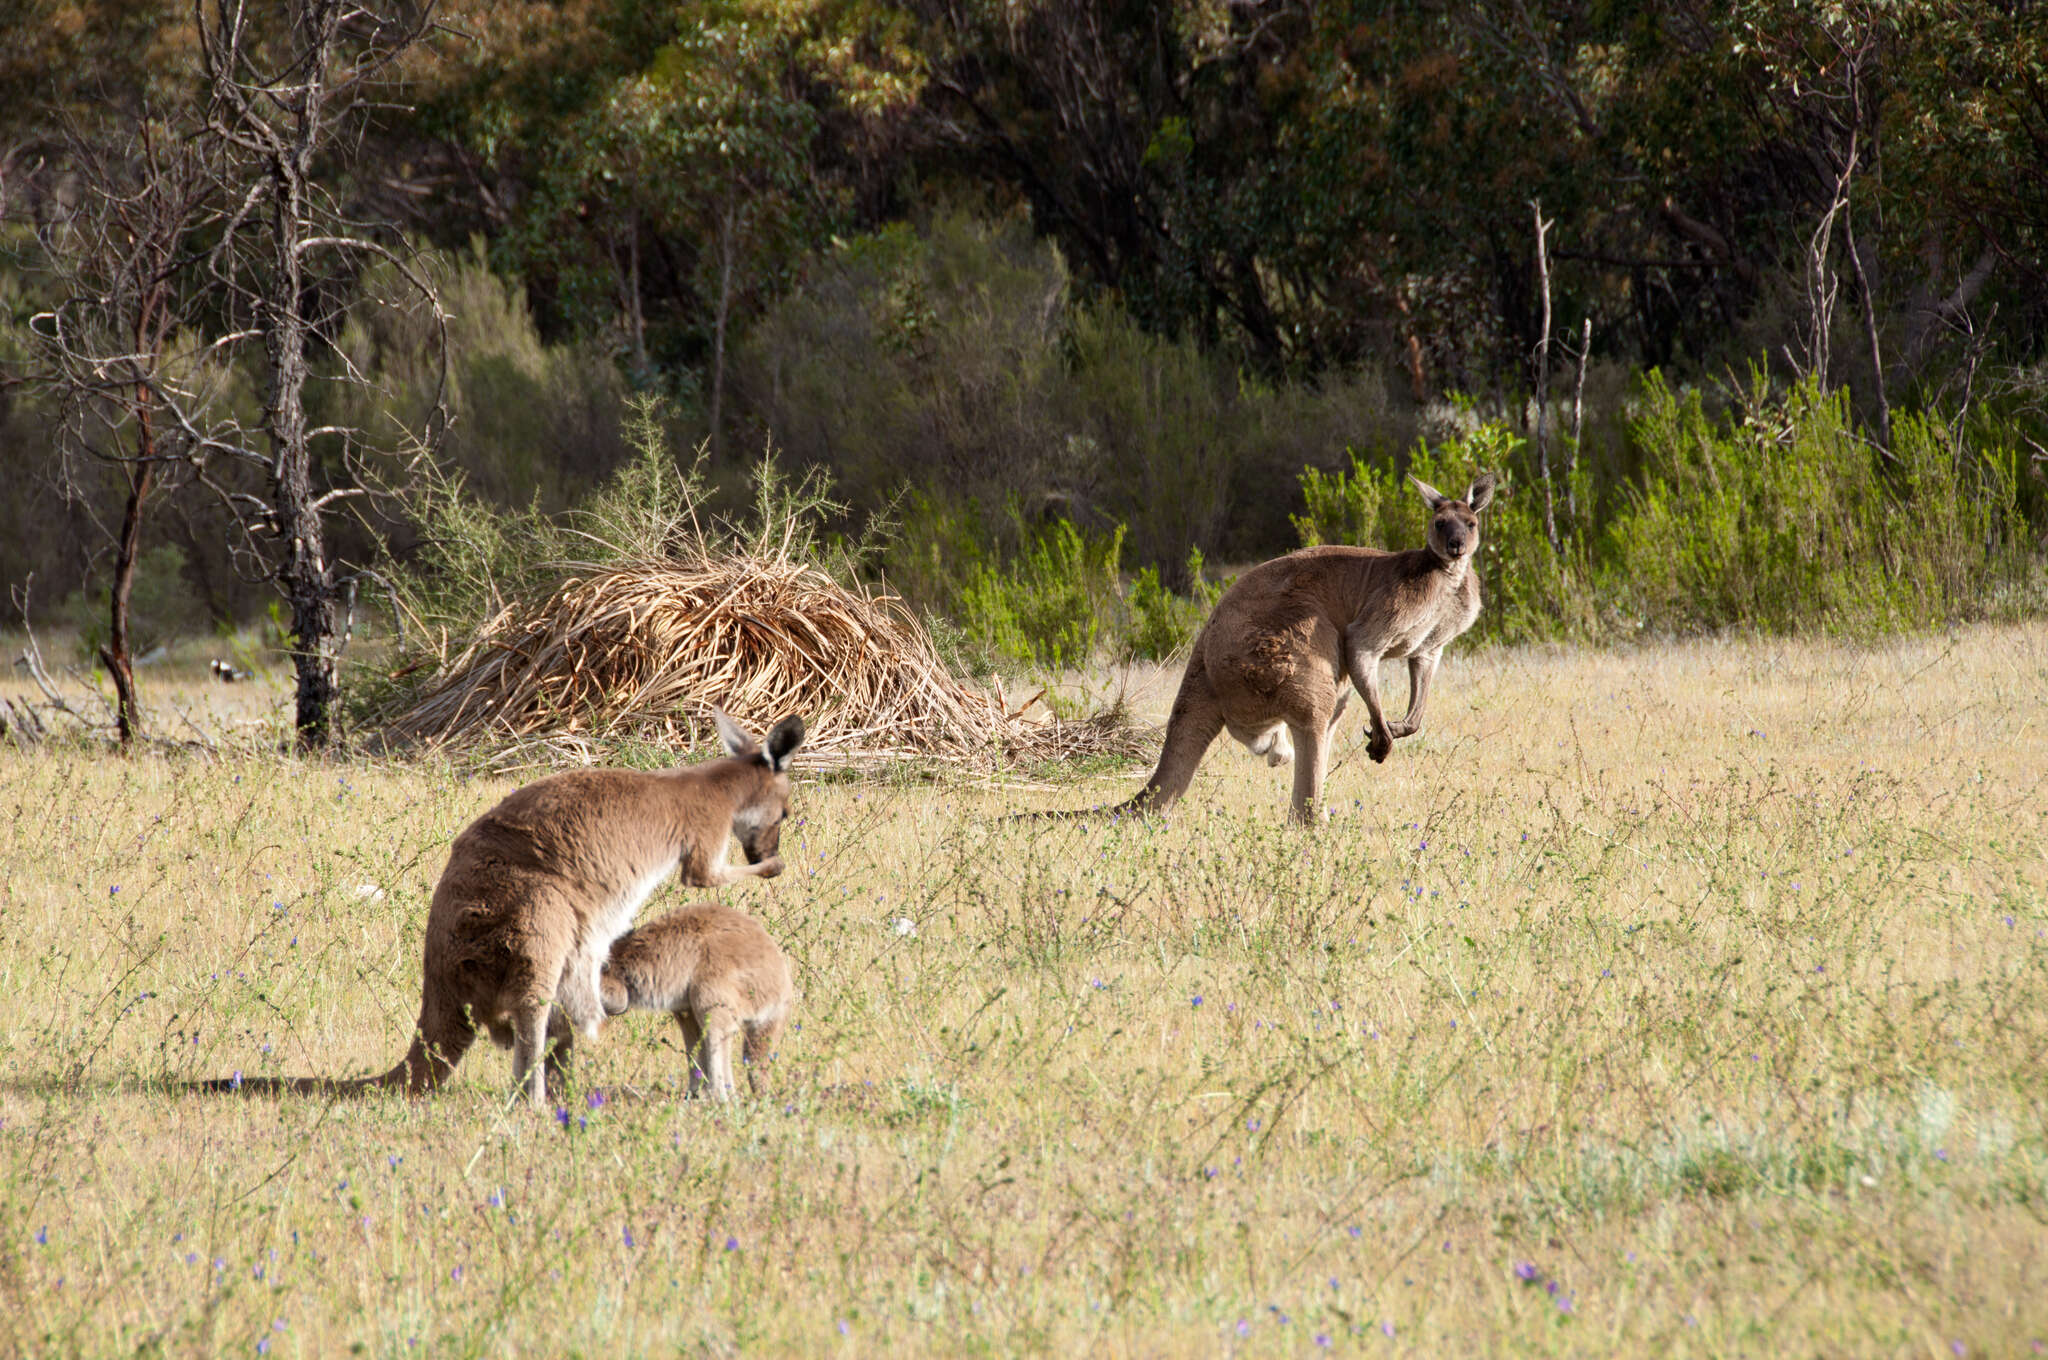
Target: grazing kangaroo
1270	663
718	973
538	888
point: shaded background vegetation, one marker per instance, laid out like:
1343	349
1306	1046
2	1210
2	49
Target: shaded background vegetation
1077	292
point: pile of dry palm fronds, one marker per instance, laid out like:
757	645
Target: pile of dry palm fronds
643	650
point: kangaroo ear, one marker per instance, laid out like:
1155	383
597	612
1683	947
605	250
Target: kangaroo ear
783	741
737	742
1429	493
1481	494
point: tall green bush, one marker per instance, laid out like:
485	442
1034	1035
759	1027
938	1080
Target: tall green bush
1787	516
527	420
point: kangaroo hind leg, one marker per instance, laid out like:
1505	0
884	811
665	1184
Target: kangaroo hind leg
761	1036
721	1037
693	1048
443	1034
1312	752
1196	719
529	1051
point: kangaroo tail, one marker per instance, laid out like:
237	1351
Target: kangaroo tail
1196	719
311	1086
303	1086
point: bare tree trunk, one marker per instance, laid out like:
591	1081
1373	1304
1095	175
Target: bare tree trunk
304	574
1543	380
1884	405
636	313
725	264
1571	472
116	654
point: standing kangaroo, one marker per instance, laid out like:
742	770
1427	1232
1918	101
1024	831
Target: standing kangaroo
718	973
1270	663
538	888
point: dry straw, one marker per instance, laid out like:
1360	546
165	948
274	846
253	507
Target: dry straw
641	650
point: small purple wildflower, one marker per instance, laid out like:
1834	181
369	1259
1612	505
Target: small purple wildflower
43	1237
1196	1001
1941	1154
1387	1329
263	1345
497	1199
456	1274
1564	1305
595	1100
394	1159
629	1238
562	1116
843	1328
1244	1328
1957	1348
114	891
1355	1231
732	1244
1323	1340
1526	1271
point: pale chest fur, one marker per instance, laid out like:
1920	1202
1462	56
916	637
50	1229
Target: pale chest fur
614	916
1444	613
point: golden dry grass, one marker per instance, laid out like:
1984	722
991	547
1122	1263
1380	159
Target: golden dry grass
1703	983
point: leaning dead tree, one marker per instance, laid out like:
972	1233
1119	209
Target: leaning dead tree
109	349
284	95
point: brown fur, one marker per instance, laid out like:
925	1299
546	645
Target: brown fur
721	976
538	888
1270	664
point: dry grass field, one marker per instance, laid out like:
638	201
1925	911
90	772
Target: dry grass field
1687	1001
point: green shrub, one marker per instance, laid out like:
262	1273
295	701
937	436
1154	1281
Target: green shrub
527	420
1161	622
1343	506
1052	605
1787	516
950	358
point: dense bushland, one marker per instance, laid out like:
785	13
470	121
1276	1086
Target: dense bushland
1051	449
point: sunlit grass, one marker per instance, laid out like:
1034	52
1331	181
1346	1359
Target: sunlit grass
1689	1001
